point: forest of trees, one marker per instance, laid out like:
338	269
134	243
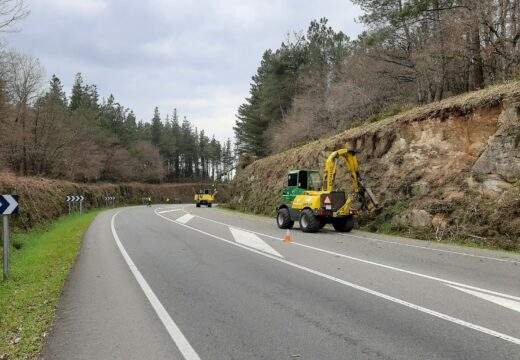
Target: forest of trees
413	52
82	138
44	132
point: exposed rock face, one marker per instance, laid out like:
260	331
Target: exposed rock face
417	218
502	155
455	165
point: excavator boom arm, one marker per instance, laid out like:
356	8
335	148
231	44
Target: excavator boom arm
350	159
366	196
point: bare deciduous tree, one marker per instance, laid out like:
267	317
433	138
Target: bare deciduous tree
10	12
23	76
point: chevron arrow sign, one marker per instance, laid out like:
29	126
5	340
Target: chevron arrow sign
75	198
8	204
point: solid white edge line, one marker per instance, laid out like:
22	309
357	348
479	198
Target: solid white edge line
362	288
373	263
175	333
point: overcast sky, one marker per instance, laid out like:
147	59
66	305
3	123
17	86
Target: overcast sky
197	56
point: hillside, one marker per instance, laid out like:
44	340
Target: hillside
446	171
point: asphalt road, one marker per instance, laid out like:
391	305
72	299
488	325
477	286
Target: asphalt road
179	282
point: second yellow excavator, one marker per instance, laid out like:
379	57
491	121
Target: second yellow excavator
314	203
207	196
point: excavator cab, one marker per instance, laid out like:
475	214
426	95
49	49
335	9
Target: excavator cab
300	181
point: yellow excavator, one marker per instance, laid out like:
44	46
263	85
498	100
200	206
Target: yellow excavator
312	201
207	196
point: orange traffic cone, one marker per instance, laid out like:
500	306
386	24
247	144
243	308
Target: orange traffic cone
288	237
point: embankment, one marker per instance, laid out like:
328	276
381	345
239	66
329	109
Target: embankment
42	199
446	171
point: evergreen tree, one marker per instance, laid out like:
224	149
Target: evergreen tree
130	129
156	128
77	92
56	90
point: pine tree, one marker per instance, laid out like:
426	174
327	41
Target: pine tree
156	128
130	128
76	97
56	90
175	134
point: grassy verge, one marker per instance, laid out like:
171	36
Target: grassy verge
40	262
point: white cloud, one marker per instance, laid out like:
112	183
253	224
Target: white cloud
198	56
79	7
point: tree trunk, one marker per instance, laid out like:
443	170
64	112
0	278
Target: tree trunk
477	70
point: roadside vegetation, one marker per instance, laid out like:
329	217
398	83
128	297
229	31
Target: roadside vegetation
40	263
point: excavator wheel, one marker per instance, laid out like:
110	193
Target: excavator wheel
209	205
308	222
344	224
283	219
197	205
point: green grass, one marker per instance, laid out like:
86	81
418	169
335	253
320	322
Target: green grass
40	263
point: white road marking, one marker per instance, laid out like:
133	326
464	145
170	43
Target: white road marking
361	288
431	248
167	211
434	278
510	304
178	338
403	244
249	239
185	218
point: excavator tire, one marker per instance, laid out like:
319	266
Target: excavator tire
283	219
209	205
308	222
345	224
197	205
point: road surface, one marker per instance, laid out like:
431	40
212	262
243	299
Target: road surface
179	282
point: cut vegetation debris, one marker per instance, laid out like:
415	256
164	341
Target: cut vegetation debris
445	171
40	263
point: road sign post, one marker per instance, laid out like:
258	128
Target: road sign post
110	201
8	206
72	200
7	262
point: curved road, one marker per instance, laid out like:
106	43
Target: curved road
179	282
